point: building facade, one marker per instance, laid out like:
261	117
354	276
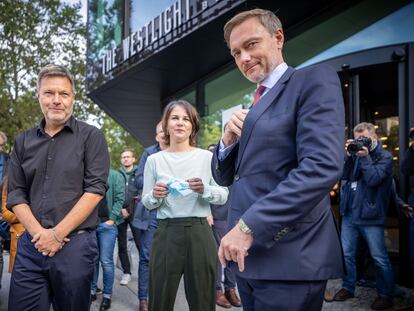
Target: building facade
143	54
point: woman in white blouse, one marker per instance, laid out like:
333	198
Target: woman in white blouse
178	183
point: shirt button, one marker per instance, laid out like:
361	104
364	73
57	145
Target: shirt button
49	157
236	177
44	196
46	177
53	139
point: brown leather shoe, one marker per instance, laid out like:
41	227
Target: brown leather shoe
143	305
232	297
381	303
343	295
221	300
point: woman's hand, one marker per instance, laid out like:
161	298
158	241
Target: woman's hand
196	184
160	190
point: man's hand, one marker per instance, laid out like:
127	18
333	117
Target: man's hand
233	128
110	222
46	243
407	210
234	246
196	184
160	190
124	213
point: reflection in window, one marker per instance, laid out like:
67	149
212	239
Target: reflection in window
143	11
395	28
226	91
104	28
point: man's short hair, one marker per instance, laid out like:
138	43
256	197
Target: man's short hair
4	137
158	128
128	150
365	126
52	70
267	18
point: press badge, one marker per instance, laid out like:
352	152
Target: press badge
354	185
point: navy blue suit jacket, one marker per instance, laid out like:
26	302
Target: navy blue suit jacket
288	157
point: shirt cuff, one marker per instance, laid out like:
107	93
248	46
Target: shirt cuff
224	151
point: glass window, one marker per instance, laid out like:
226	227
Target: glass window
228	90
144	11
395	28
104	32
105	26
224	92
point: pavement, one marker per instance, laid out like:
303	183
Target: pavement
125	297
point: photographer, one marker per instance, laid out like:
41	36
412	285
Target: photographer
365	195
407	168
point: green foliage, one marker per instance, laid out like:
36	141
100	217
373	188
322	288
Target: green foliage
119	139
210	130
35	33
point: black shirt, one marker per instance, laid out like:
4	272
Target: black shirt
50	174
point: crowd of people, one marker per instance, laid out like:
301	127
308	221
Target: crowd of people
252	212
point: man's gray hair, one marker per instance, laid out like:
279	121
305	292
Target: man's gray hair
365	126
53	70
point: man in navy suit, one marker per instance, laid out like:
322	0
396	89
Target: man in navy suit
282	157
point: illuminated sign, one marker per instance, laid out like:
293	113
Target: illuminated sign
164	28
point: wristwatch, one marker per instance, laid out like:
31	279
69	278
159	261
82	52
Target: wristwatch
244	228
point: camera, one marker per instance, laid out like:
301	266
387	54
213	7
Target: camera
357	144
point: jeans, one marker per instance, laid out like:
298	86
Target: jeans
144	257
123	243
106	235
374	236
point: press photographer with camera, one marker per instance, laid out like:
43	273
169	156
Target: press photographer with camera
365	195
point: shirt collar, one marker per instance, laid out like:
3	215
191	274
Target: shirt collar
274	76
70	125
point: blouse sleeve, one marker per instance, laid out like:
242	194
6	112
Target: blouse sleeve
150	178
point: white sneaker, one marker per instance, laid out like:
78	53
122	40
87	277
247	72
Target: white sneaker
125	279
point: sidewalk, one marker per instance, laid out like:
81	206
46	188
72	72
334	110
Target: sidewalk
125	297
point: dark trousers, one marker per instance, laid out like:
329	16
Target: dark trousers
220	230
63	280
146	237
123	242
268	295
183	246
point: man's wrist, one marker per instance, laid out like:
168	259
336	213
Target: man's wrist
56	236
244	227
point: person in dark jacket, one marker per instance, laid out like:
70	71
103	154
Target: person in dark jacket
146	220
407	168
128	171
365	196
218	222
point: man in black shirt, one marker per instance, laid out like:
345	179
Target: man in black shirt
58	173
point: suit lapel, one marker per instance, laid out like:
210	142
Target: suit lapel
256	111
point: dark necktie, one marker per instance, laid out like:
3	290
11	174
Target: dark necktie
258	94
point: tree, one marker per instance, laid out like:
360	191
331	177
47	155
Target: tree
35	33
